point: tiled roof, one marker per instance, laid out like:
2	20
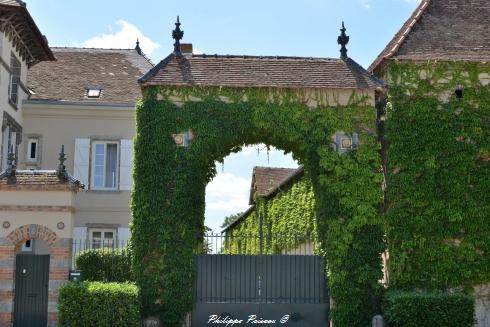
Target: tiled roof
38	179
453	30
23	32
116	72
256	71
266	181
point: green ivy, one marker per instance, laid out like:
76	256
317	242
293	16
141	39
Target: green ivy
169	187
438	197
288	221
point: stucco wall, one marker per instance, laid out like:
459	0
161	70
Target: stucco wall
46	208
62	124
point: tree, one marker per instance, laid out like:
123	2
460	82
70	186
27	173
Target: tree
230	218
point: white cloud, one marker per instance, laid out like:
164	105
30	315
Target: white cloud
124	38
227	193
366	4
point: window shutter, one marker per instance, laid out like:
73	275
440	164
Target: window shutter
80	234
79	241
82	160
122	236
126	165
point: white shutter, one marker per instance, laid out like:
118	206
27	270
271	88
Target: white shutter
123	235
126	165
82	160
80	234
79	242
5	148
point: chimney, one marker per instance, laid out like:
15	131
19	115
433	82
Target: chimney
186	48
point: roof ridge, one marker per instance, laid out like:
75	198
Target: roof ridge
143	54
88	48
398	39
156	68
205	55
363	71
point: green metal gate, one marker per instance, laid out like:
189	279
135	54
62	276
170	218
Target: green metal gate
31	290
242	280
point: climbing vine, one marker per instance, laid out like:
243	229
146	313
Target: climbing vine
288	221
439	175
169	190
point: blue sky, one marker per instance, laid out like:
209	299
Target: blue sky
255	27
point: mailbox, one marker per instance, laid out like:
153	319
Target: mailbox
75	276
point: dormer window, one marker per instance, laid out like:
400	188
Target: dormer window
93	92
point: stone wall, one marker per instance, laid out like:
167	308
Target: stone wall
482	305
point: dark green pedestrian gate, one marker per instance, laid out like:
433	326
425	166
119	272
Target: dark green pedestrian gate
238	284
31	290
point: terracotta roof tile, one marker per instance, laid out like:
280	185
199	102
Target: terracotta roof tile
116	72
267	180
255	71
37	178
450	30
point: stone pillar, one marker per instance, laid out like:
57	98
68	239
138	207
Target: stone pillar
7	262
482	305
59	269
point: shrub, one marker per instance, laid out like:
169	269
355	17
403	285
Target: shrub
89	304
430	309
105	265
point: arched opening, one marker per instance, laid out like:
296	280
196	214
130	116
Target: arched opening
230	193
176	149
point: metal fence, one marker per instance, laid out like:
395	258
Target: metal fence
105	246
255	244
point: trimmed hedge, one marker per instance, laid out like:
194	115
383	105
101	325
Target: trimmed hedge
89	304
105	265
433	309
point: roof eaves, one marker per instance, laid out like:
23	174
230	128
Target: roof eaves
287	180
152	72
373	79
239	218
74	182
392	47
21	8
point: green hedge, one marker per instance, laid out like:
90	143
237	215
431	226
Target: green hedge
89	304
105	265
434	309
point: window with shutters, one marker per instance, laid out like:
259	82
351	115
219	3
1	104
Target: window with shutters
15	68
105	163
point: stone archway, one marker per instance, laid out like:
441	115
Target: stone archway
59	267
199	108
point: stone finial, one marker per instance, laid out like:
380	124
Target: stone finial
62	159
11	166
177	35
342	40
138	48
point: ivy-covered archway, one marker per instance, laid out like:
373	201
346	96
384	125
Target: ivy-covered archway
168	198
198	108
